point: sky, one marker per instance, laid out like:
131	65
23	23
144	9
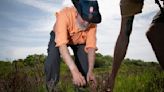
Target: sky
25	26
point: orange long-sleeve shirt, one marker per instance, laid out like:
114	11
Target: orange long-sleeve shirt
67	32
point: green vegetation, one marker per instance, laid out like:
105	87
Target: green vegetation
27	75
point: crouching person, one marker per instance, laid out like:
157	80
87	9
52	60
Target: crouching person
75	27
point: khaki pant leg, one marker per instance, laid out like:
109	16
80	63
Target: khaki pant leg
131	7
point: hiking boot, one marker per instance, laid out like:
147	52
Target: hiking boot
81	89
50	85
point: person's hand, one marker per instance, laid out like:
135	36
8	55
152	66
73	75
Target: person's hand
78	79
91	79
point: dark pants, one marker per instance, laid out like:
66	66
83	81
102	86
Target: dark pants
52	63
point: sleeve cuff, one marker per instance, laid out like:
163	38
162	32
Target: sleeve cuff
86	49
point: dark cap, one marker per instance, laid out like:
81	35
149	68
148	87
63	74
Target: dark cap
88	10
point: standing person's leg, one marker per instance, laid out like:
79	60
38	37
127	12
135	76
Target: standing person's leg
155	36
81	60
120	49
128	9
52	64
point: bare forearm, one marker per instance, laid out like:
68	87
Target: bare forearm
91	58
78	79
67	57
